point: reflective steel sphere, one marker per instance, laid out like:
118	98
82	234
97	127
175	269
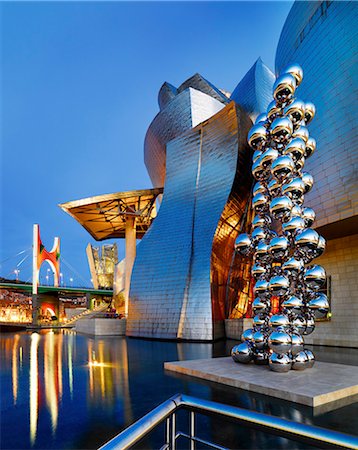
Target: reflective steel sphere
278	248
302	133
274	187
258	234
248	335
296	71
259	188
279	285
259	320
299	323
293	226
280	208
315	277
310	112
296	149
261	357
284	88
261	221
310	325
260	306
258	271
300	361
295	111
294	188
257	136
282	167
279	320
243	244
319	306
258	171
293	305
292	267
310	147
260	203
256	155
307	181
309	216
311	358
262	253
296	211
261	119
261	289
280	342
280	363
321	246
260	340
306	242
281	129
297	343
268	157
273	111
242	353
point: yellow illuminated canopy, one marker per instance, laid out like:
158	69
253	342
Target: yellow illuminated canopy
104	216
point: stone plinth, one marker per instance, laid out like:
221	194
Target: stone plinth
235	327
101	327
322	384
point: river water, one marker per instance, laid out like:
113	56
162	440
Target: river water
62	390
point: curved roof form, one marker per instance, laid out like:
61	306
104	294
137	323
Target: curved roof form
196	101
254	92
104	216
166	93
323	38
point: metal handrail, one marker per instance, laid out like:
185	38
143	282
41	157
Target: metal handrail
313	435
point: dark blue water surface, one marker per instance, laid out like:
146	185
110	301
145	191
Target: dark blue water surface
61	390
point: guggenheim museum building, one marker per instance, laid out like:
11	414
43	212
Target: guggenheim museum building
184	280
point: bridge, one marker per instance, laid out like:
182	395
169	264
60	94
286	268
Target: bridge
59	290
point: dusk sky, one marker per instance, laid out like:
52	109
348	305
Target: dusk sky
79	90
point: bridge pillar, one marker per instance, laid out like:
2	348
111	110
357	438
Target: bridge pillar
43	304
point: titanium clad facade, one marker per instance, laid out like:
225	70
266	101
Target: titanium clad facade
254	92
179	114
172	295
323	38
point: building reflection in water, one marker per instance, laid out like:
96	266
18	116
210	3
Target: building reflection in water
34	386
108	375
51	361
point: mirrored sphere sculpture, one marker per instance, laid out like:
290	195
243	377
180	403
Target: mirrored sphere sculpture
282	243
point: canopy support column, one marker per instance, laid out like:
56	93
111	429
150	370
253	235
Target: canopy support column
130	236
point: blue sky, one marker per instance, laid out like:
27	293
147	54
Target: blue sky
79	89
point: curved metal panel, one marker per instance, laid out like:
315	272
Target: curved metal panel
171	294
166	93
182	113
323	38
199	83
254	92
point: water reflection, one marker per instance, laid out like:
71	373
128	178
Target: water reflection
34	386
64	390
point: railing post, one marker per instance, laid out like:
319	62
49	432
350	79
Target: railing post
173	432
192	430
167	433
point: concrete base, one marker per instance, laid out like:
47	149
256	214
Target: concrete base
322	384
101	327
235	327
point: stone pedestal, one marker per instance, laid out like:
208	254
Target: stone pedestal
235	327
101	327
324	384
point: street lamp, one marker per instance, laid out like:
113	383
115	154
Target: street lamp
61	279
71	281
16	272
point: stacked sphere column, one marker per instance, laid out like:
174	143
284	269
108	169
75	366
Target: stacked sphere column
282	241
